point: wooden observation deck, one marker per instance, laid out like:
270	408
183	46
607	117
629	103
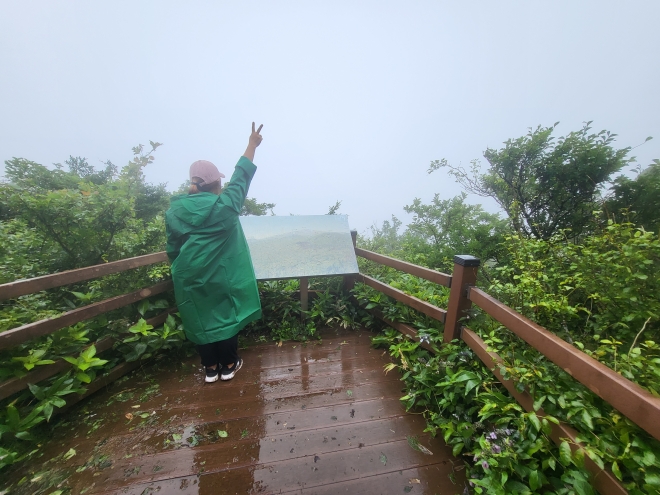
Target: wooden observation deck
319	418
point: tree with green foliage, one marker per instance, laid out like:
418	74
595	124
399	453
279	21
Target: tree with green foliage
334	208
83	216
545	185
386	239
253	207
444	228
638	198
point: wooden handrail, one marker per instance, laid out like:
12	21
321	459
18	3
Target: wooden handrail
102	381
415	303
404	266
400	327
603	480
40	373
22	287
624	395
37	329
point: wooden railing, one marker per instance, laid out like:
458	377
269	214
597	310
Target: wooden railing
624	395
627	397
16	336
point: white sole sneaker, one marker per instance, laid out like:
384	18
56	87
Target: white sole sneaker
212	378
229	376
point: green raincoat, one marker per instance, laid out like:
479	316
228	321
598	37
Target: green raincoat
214	283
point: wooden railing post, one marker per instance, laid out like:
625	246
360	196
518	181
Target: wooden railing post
349	280
464	276
304	293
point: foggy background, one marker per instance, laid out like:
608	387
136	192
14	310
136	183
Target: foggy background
356	98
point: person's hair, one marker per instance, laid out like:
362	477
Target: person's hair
196	187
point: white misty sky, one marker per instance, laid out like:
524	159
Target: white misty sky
356	98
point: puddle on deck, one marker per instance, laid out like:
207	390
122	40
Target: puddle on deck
315	418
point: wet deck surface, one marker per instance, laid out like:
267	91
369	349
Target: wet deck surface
316	418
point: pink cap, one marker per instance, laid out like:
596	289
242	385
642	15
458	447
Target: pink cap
206	171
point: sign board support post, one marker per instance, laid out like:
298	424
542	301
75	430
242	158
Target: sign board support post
349	280
304	293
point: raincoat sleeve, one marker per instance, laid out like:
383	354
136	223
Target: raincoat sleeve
173	242
236	191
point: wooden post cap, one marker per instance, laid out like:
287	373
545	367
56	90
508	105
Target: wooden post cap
466	260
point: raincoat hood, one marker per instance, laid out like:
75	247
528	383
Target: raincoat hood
192	211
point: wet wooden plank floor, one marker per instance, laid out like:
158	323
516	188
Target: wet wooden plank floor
315	418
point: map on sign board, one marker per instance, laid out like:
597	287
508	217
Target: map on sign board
299	246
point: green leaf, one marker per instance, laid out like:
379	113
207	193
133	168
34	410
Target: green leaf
222	434
13	417
649	458
170	322
140	348
582	487
596	458
23	435
83	377
562	401
539	402
534	481
45	361
88	353
143	306
48	411
565	453
457	449
652	479
616	471
533	418
470	385
36	390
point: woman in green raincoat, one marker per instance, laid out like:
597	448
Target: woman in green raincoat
214	283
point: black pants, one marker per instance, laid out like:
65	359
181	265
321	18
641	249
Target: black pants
223	352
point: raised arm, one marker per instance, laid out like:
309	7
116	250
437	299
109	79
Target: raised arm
234	194
255	140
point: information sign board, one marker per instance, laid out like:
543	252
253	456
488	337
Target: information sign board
299	246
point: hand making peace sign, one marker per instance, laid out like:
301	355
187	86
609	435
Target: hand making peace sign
255	137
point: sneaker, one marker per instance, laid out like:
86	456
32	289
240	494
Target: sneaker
228	373
212	375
